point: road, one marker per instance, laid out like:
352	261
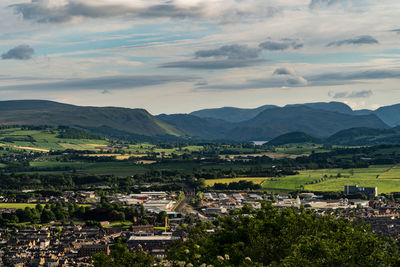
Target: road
184	206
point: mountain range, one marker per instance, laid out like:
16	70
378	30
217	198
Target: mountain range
319	120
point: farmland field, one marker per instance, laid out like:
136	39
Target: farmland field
256	180
16	205
44	140
386	178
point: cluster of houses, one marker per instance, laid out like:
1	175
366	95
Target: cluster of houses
214	204
73	245
154	202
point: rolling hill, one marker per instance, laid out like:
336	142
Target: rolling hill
39	112
365	136
293	138
264	123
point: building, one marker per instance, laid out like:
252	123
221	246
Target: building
89	250
370	192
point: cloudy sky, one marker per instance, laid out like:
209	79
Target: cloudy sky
181	55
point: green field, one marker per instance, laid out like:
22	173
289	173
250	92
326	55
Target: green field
256	180
44	139
386	178
298	149
17	205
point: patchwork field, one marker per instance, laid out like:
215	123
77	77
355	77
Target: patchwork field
386	178
256	180
44	140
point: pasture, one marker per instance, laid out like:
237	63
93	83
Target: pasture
17	205
44	140
386	178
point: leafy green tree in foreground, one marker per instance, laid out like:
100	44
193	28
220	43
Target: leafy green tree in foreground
121	257
287	237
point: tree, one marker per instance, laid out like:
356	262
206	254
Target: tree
121	257
47	216
287	237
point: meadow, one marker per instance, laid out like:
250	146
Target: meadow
385	177
17	205
44	140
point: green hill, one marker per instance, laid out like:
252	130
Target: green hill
293	138
38	112
365	136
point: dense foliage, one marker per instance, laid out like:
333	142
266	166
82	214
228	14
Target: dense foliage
287	237
121	257
105	211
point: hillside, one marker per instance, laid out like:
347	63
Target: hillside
293	138
389	114
330	106
38	112
231	114
319	123
365	136
267	122
200	128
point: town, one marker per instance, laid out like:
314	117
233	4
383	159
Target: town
160	219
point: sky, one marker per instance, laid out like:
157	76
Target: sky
177	56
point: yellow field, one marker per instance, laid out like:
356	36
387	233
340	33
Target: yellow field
256	180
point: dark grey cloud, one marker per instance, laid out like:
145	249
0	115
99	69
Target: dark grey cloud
224	57
284	71
314	4
21	52
234	51
363	39
354	94
106	84
40	11
283	44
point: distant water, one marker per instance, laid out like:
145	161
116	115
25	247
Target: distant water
259	143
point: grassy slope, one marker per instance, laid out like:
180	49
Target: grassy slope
31	112
46	140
